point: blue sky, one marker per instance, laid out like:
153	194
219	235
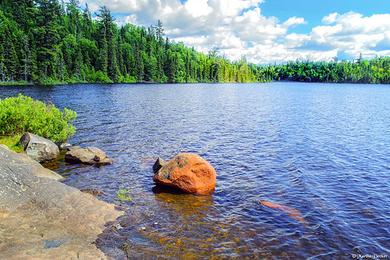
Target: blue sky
314	10
266	31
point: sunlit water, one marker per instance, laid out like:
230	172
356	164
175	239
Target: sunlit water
323	149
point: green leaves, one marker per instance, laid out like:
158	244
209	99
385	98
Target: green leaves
124	195
23	114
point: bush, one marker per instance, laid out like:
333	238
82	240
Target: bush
23	114
98	77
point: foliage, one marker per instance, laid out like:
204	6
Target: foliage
48	42
12	142
124	195
23	114
376	70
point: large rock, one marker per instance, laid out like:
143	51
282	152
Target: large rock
189	173
41	218
39	148
89	155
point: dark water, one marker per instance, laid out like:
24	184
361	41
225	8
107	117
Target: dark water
321	149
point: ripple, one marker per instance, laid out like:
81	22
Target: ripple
320	150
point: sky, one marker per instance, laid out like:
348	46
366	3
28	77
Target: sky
266	31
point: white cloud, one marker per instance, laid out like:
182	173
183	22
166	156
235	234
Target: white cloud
352	33
238	28
198	7
292	21
331	18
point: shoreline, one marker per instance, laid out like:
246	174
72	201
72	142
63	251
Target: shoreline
31	84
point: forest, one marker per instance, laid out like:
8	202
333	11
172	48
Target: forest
49	42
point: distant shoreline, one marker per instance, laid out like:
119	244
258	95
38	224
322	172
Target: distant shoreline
30	84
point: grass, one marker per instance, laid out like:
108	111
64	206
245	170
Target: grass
15	83
12	142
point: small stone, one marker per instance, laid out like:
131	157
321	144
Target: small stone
143	228
158	164
65	146
118	226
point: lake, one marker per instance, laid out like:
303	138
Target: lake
322	149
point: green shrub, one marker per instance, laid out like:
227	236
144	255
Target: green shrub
127	79
98	77
23	114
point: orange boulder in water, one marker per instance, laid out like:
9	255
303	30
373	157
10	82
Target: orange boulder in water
189	173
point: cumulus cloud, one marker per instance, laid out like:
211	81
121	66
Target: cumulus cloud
238	27
352	33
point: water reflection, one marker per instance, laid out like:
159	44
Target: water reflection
186	204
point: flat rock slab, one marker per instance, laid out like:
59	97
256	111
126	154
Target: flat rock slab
42	218
88	155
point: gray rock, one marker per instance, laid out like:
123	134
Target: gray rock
158	164
23	162
73	147
39	148
65	146
42	218
89	155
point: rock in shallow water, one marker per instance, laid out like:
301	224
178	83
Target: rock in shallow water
89	155
189	173
39	148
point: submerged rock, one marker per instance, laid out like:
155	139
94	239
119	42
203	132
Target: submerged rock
158	164
189	173
39	148
89	155
293	213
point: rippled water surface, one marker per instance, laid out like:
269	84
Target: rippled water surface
322	149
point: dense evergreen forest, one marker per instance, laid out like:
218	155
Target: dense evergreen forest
47	42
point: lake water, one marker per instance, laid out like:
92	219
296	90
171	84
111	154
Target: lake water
322	149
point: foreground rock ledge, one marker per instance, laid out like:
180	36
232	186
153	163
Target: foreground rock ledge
41	218
187	172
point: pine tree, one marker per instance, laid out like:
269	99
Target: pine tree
47	35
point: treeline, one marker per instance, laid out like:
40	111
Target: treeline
47	41
376	70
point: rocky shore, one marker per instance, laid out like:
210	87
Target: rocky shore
42	218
